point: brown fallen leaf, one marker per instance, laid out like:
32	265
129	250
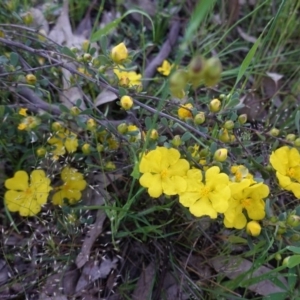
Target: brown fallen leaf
94	270
232	267
144	286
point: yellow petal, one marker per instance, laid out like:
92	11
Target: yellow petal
37	177
58	197
295	188
12	200
18	182
294	157
180	168
153	183
68	174
71	144
29	208
279	159
187	199
174	185
284	181
240	221
79	185
219	199
203	207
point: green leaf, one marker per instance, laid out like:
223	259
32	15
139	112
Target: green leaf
297	121
293	261
63	108
67	51
14	58
294	249
186	136
197	17
148	123
96	36
276	296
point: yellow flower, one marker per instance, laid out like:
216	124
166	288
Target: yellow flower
245	197
134	133
23	112
128	79
119	53
184	112
24	197
253	228
63	140
286	162
208	197
126	102
29	123
72	187
163	172
241	172
165	68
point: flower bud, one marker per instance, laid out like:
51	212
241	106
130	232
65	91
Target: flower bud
278	257
221	155
30	79
122	128
119	53
41	152
27	18
212	71
224	136
110	166
293	220
290	137
23	112
199	118
274	132
74	50
242	119
85	45
100	147
215	105
154	134
253	228
91	124
184	112
126	102
297	142
195	71
295	237
42	35
177	83
285	262
87	57
229	124
86	149
176	141
281	227
56	127
75	111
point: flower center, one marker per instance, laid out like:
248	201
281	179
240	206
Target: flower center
164	174
238	176
28	192
246	202
291	172
204	191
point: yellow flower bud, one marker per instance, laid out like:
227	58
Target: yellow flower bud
195	71
212	71
110	166
278	257
295	237
176	141
100	147
221	155
42	35
297	142
177	84
75	111
285	262
56	127
274	132
85	45
199	118
184	112
215	105
122	128
119	53
74	50
224	136
154	134
2	34
290	137
87	57
30	79
242	119
253	228
22	126
86	149
293	220
91	124
27	18
126	102
41	152
229	124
